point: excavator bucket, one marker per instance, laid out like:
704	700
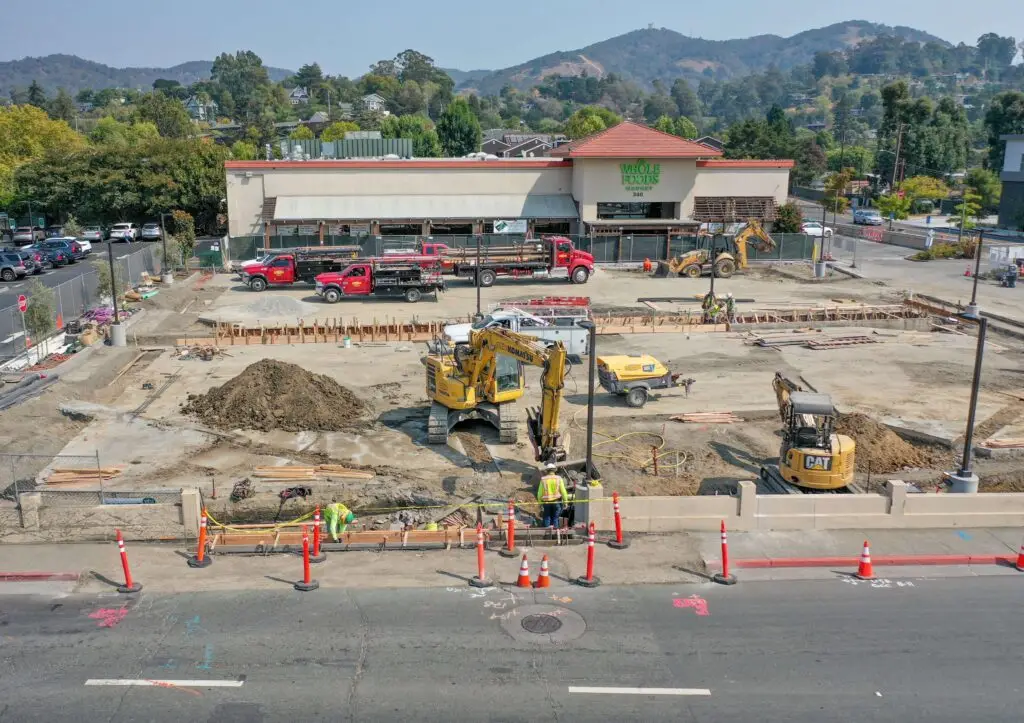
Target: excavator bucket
663	271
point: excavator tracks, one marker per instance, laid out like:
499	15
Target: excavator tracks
437	424
772	483
508	423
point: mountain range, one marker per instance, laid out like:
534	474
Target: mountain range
74	74
642	56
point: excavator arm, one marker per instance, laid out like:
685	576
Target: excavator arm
488	344
762	241
783	387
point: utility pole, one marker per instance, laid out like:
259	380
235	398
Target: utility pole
964	480
842	160
972	308
896	163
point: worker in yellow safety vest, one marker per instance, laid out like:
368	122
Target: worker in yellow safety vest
338	518
551	494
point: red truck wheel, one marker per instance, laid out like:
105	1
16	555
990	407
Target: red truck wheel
332	296
258	284
580	275
413	295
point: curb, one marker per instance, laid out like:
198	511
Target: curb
888	560
39	576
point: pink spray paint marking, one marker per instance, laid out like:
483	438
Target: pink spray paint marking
109	617
698	604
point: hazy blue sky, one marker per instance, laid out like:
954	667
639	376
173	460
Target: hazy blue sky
345	37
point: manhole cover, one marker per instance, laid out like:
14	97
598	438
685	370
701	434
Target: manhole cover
541	624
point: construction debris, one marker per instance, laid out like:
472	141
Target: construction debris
1006	443
707	418
271	394
202	352
322	470
71	475
880	450
242	490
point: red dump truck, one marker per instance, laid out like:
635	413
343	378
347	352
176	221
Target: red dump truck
553	257
380	278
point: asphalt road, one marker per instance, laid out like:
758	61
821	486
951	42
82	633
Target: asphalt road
808	651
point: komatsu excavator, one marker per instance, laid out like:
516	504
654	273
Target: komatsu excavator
484	379
812	456
696	262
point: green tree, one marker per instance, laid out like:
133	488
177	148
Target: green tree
996	51
111	132
104	283
969	208
336	131
1005	116
36	95
685	128
789	219
458	130
686	100
244	77
27	134
72	227
836	186
665	124
894	206
40	315
301	133
167	114
658	105
425	141
859	158
183	228
986	186
924	187
590	119
309	77
62	107
244	151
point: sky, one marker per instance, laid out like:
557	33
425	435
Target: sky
346	37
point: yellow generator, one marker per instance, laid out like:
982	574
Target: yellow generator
635	376
812	455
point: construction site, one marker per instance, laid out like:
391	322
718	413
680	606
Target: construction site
270	404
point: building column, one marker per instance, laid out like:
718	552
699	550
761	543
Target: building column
425	229
266	235
321	230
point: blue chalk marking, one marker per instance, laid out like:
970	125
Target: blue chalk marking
963	535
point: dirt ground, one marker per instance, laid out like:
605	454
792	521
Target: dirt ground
919	380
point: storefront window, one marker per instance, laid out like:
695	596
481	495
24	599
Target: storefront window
401	229
641	210
541	228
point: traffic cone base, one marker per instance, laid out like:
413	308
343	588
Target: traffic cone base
864	570
1020	558
543	579
524	574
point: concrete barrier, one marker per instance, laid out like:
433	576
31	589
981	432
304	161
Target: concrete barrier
72	523
750	511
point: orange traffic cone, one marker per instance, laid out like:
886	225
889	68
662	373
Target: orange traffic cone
864	570
543	580
524	574
60	322
967	271
1020	558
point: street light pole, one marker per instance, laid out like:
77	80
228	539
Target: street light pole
972	308
965	480
591	328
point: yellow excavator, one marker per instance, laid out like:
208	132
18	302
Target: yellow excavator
727	260
484	379
812	456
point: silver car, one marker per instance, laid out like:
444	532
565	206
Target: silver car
93	233
151	232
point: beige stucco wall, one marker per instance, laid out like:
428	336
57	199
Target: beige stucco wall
245	195
599	180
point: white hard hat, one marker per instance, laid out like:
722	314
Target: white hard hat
729	295
550	466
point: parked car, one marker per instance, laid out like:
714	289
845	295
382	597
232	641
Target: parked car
815	229
33	266
867	217
12	267
55	256
84	243
124	232
151	232
41	256
54	232
68	245
93	233
28	235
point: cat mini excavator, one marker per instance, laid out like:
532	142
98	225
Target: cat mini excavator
726	260
484	379
812	457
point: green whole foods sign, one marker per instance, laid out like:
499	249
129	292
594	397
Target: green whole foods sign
640	176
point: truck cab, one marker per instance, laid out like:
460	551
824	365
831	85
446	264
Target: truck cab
273	270
548	325
356	280
578	264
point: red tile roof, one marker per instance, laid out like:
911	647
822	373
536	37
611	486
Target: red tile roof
402	164
632	140
745	163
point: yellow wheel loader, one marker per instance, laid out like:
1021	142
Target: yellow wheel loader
727	260
812	455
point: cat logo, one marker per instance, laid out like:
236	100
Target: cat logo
817	462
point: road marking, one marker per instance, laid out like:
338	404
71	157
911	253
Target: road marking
641	691
12	337
167	683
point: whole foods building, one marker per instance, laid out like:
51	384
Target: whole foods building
628	181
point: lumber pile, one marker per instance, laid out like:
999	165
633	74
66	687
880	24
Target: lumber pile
69	475
707	418
1006	443
293	472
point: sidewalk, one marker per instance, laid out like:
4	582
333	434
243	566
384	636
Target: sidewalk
814	553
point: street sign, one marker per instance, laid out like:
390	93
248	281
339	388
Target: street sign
22	303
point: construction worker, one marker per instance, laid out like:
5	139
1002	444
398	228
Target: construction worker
709	307
338	516
730	308
551	494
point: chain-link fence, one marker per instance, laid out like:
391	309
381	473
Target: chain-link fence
625	248
20	472
90	498
75	296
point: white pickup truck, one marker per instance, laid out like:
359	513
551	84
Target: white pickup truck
556	327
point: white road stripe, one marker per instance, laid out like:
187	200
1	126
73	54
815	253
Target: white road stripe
642	691
167	683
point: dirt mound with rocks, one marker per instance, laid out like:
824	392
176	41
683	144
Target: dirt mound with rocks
271	395
880	450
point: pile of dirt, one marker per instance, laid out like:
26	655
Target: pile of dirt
272	395
881	450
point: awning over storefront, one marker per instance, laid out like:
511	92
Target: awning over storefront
381	208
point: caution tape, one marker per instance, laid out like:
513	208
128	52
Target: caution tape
273	527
